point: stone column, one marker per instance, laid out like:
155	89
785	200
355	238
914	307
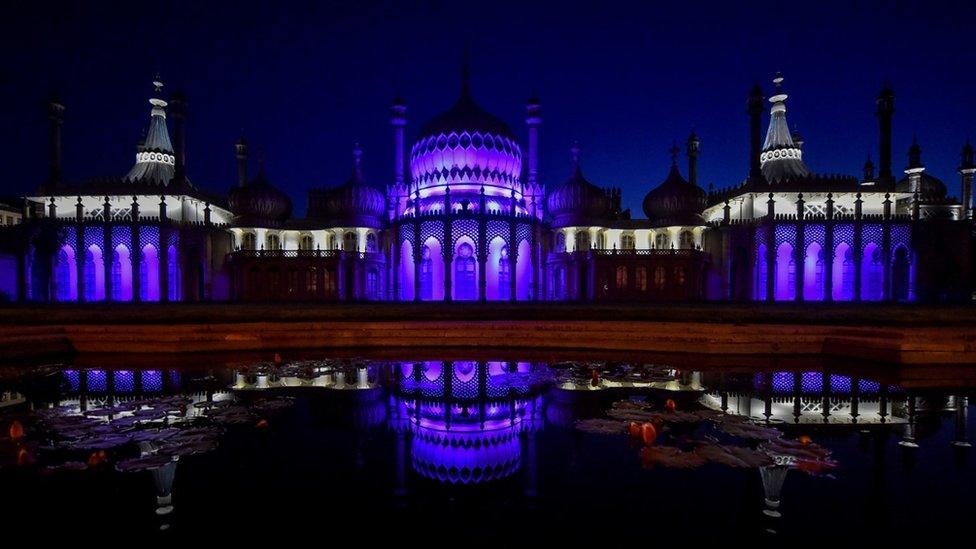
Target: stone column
108	257
829	250
512	257
858	252
482	251
163	262
81	258
418	248
448	249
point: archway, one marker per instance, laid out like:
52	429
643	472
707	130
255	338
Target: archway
785	280
843	275
149	274
813	273
121	274
65	275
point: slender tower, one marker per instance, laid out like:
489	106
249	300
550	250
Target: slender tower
240	148
398	119
755	109
55	116
693	148
966	170
533	118
177	109
886	108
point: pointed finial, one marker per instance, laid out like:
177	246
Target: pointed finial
778	80
674	153
357	157
574	151
157	83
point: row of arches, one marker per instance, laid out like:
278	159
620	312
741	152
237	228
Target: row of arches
306	241
660	240
844	273
66	272
312	282
500	266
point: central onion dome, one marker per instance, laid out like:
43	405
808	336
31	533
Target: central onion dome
259	203
466	145
577	202
355	203
675	201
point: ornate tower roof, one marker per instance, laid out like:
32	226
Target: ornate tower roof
577	202
355	203
155	159
781	158
258	203
675	201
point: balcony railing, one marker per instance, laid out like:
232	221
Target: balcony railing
302	254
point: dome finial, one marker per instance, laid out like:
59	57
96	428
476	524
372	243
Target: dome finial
157	83
674	153
778	80
574	152
357	157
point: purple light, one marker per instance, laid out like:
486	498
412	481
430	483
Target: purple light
785	273
97	381
152	381
149	274
124	381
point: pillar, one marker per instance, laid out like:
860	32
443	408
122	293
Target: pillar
136	254
81	258
163	261
108	255
482	248
448	248
858	252
418	248
799	251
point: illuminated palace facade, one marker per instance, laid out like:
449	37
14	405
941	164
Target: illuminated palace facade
466	217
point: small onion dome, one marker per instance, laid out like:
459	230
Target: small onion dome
259	203
355	203
929	186
577	201
676	201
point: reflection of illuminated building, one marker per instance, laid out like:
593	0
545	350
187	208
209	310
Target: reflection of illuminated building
804	398
465	418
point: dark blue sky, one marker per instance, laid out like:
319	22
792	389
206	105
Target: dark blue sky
306	80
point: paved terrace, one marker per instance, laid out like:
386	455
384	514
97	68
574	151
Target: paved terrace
905	334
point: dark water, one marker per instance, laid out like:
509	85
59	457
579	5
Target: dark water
479	452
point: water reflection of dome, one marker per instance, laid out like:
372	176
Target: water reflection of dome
466	417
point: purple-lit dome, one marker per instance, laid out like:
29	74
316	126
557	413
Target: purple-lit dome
675	202
259	204
466	145
355	203
577	202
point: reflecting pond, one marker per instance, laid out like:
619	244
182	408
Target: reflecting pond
490	450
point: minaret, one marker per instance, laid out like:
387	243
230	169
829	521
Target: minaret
886	108
781	159
177	108
55	116
694	146
966	170
240	148
398	119
155	159
755	108
533	118
868	172
915	167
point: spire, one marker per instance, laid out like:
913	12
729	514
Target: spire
967	157
155	161
914	155
868	169
781	158
357	157
466	71
240	148
674	153
693	148
574	152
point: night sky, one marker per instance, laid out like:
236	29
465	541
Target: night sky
306	80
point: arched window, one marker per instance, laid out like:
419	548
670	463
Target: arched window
249	241
640	279
311	282
627	242
372	284
465	273
149	274
660	278
843	282
371	243
426	275
621	277
901	275
662	242
350	242
504	286
94	274
174	274
560	245
65	275
813	273
872	273
686	240
582	240
306	242
679	276
785	281
272	242
121	274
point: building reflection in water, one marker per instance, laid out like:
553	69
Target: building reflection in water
462	423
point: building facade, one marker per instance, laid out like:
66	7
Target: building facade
466	216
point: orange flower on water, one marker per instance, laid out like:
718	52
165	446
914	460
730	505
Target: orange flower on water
278	359
634	429
16	430
670	405
648	433
804	439
97	458
24	457
262	424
